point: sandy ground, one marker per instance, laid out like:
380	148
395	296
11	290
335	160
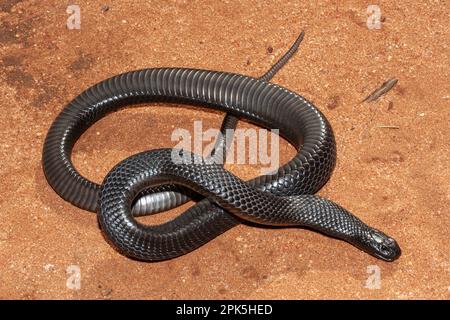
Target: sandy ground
394	179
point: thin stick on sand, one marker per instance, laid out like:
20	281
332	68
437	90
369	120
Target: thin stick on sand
385	87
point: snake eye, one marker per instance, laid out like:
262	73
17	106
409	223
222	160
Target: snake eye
390	250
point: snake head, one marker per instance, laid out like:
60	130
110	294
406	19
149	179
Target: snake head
381	246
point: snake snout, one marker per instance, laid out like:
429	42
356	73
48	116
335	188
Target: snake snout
383	246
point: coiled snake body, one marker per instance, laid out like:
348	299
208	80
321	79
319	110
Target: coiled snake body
151	181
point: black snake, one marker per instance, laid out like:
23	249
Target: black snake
151	181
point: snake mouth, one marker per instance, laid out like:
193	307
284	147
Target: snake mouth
382	246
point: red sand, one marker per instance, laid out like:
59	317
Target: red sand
394	179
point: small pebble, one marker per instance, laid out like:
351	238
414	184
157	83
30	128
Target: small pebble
391	105
48	267
104	8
